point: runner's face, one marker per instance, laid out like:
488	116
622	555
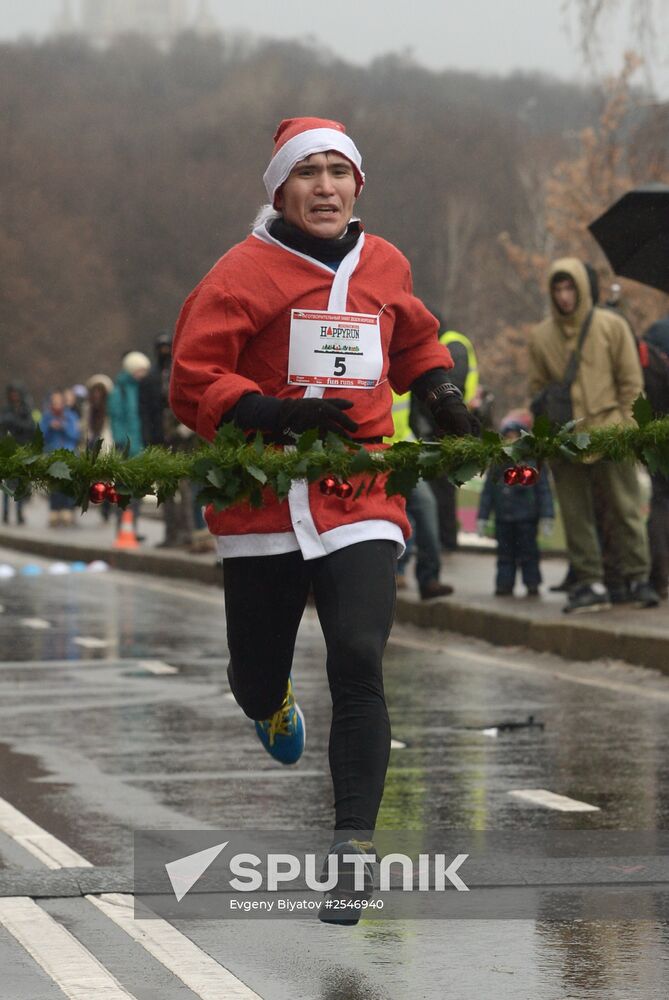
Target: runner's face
319	195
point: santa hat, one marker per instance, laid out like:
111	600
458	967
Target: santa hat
297	138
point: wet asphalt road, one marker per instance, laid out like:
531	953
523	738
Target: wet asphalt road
95	744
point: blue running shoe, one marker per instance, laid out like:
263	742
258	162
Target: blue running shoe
282	735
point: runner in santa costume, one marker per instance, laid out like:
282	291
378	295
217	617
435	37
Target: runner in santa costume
310	323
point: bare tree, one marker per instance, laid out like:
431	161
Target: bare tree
609	160
643	17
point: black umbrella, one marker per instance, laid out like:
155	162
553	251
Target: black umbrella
634	235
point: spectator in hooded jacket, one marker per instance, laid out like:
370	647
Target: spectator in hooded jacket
607	382
521	512
16	419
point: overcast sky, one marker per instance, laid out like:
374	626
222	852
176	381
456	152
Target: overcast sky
494	36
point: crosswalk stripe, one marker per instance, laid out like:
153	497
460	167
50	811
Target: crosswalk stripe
71	966
205	977
90	642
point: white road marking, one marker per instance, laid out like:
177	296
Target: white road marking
71	966
198	971
35	623
653	693
397	745
44	846
490	731
551	800
157	667
90	642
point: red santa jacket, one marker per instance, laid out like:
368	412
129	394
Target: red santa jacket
232	338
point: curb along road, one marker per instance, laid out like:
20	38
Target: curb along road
638	637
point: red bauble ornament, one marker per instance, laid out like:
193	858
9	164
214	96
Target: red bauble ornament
328	485
97	493
512	476
344	490
111	495
528	476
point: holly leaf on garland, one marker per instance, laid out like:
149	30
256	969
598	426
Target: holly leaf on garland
37	443
542	428
362	461
463	474
257	473
258	444
651	457
402	481
209	495
656	459
515	451
231	435
334	442
307	441
216	477
255	496
642	411
59	470
490	438
524	447
283	484
428	462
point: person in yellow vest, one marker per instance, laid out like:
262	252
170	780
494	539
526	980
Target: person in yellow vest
465	375
424	517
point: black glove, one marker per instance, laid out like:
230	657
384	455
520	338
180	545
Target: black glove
450	413
285	416
298	415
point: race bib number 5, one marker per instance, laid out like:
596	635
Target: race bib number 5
334	349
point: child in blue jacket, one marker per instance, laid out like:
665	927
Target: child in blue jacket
520	512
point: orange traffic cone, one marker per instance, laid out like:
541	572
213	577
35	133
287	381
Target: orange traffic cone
126	537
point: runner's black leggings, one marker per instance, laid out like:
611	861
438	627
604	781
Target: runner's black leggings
354	591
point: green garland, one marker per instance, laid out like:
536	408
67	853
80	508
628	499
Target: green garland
233	469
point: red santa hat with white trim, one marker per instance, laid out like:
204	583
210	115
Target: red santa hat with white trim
297	138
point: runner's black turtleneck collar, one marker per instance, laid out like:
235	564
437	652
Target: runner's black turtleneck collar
324	250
